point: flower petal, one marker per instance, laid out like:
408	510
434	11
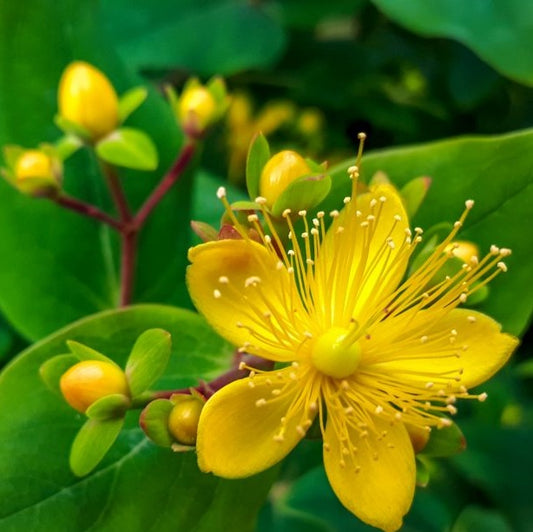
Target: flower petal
240	424
464	343
377	481
244	293
363	256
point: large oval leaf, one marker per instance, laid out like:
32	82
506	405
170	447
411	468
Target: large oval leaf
138	486
499	31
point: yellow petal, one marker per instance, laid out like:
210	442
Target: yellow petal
363	256
377	481
239	429
238	286
463	341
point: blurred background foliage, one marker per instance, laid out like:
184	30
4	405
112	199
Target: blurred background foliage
310	75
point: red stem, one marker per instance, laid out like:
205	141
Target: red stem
175	172
89	210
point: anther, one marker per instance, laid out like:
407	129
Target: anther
260	402
334	213
423	339
223	279
252	281
221	192
398	218
469	204
383	199
253	218
278	438
346	200
373	202
429	385
502	266
482	397
302	213
494	250
320	214
260	200
451	409
286	213
300	430
463	297
379	409
457	224
217	294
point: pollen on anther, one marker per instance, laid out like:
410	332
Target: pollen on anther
221	192
252	281
471	319
253	218
383	199
276	391
286	213
217	294
502	266
278	438
373	202
494	250
423	339
223	279
346	200
451	409
469	204
334	213
429	385
302	213
463	297
260	402
379	409
482	397
300	430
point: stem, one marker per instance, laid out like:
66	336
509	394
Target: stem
207	389
175	172
128	234
86	209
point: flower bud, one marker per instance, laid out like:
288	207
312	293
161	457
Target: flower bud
34	172
184	417
281	170
87	98
90	380
196	109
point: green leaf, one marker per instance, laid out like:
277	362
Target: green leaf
52	370
84	352
66	249
303	193
422	473
71	128
258	156
67	145
130	101
477	168
109	407
413	194
479	519
148	360
154	422
130	148
92	443
136	479
497	31
143	30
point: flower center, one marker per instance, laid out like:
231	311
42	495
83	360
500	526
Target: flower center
333	357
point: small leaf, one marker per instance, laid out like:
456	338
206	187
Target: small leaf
67	146
92	443
84	352
12	154
413	194
52	370
130	101
303	193
154	422
217	88
205	232
445	442
422	473
69	127
258	156
148	360
109	407
130	148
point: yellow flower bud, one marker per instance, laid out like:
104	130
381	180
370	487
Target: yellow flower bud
464	250
310	122
36	173
34	163
196	109
90	380
183	420
87	98
281	170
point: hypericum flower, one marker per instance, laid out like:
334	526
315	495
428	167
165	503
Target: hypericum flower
356	349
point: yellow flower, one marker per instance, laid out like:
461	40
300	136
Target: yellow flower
357	349
87	99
